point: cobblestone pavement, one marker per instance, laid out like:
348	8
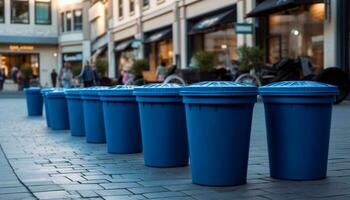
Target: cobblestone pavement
37	163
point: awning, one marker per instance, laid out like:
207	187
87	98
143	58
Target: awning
268	7
209	23
161	35
123	45
98	52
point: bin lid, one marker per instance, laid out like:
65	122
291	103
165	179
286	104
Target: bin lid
296	88
32	90
56	92
46	90
73	91
158	89
219	88
118	90
92	91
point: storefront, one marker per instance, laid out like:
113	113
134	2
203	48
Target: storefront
40	58
75	60
158	50
291	29
343	35
214	32
125	53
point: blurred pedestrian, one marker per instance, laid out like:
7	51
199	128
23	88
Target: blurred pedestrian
14	71
161	72
2	79
88	75
66	75
54	78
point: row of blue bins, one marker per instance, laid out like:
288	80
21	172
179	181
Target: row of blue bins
208	123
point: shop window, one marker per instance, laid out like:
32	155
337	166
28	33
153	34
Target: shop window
62	23
222	42
43	11
78	20
161	51
2	11
297	32
132	7
68	20
145	3
19	11
120	8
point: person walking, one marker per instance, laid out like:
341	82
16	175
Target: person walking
14	71
88	75
161	72
54	78
2	79
66	76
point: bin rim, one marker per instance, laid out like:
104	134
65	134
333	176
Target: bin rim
219	88
73	91
46	90
56	93
32	90
92	91
298	88
158	89
118	90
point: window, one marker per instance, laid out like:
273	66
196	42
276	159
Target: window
68	20
298	33
132	6
62	22
2	11
145	3
20	11
43	11
120	8
78	20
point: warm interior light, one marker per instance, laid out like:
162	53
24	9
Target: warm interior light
295	32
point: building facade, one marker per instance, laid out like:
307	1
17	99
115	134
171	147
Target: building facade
29	37
171	31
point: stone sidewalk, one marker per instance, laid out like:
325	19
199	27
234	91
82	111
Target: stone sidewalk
38	163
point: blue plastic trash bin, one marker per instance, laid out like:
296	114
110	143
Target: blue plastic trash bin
58	111
219	117
34	101
122	121
44	92
298	121
93	115
163	125
75	111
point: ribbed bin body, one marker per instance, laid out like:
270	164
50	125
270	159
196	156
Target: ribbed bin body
75	112
122	121
34	101
298	121
58	111
44	92
163	125
219	117
93	115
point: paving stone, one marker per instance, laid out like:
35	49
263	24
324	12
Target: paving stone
11	190
88	193
119	185
142	190
117	192
46	160
82	187
52	195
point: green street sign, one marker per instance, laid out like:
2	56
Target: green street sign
243	28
